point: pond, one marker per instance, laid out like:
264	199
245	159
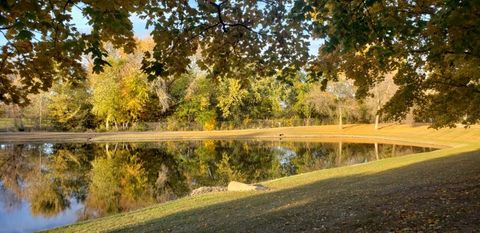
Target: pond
47	185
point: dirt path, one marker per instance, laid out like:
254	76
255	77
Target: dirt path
353	133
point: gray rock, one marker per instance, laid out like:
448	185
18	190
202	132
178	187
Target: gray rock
207	189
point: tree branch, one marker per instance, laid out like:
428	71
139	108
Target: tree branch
6	27
219	14
241	25
476	90
66	4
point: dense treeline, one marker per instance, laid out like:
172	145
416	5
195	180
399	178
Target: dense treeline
122	98
430	47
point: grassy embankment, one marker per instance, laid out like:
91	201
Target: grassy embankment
433	191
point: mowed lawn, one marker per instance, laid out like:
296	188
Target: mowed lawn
434	191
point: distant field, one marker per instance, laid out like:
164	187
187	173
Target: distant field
432	191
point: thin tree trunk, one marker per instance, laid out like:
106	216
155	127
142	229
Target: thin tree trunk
377	114
18	118
340	117
41	110
376	151
377	118
107	122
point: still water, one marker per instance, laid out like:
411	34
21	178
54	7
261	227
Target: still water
47	185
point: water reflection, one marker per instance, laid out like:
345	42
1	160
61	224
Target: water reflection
58	181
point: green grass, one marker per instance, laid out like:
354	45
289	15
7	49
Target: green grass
433	191
6	122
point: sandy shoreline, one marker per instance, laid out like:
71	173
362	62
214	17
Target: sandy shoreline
330	133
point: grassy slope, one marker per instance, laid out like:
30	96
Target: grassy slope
434	191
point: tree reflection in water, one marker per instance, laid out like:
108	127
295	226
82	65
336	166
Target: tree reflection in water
112	178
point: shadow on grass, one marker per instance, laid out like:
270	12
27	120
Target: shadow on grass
435	195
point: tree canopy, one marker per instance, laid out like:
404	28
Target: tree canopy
432	46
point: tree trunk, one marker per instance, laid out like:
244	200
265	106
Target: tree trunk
340	118
410	119
41	110
376	151
377	115
18	118
377	118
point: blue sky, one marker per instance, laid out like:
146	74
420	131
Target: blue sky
82	24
